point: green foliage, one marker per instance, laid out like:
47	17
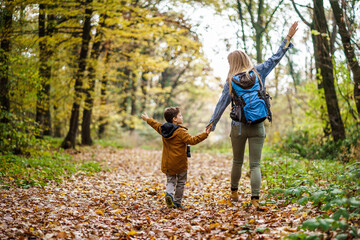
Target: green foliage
307	144
25	172
109	143
18	135
331	186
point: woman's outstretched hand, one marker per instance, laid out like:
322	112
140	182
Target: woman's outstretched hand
292	30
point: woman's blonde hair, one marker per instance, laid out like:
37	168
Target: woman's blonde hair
239	62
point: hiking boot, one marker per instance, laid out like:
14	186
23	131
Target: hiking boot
169	201
180	206
234	196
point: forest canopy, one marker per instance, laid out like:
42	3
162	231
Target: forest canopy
85	70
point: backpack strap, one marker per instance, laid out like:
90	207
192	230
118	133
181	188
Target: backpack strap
233	102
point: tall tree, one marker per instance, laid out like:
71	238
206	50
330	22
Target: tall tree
326	71
70	138
6	30
315	42
90	91
46	30
348	50
258	12
103	96
143	86
311	25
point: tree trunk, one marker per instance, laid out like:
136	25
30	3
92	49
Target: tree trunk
43	117
292	72
51	27
165	80
90	91
133	108
102	118
260	24
277	73
144	82
288	94
242	23
259	47
69	140
326	72
6	30
124	92
133	94
348	50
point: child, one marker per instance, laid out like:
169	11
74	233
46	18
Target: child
174	162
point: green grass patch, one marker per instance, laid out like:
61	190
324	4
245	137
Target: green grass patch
25	172
109	143
330	186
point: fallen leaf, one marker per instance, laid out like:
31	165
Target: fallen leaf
61	235
131	233
116	211
99	212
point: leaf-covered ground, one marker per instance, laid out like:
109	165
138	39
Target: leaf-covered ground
127	201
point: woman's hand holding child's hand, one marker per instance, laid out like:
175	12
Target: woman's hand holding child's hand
208	129
144	116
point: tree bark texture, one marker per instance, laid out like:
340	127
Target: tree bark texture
4	58
90	91
43	117
292	72
348	50
124	92
70	139
104	81
144	83
259	24
242	23
326	72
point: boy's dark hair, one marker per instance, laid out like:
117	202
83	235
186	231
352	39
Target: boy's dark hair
170	113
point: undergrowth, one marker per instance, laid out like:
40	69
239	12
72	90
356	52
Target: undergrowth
25	172
332	187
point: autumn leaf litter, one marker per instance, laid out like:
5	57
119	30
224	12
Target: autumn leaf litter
126	200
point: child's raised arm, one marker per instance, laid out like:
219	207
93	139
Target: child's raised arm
153	123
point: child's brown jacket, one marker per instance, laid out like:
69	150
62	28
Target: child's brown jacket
175	138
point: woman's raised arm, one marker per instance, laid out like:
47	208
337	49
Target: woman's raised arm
266	67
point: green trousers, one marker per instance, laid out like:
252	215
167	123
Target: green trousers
255	134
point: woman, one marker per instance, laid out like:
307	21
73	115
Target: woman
255	134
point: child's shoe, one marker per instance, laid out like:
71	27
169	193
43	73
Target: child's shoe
180	206
169	201
234	196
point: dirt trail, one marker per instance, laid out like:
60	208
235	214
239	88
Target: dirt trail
127	201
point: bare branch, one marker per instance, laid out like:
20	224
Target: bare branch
271	16
248	5
305	6
301	17
242	22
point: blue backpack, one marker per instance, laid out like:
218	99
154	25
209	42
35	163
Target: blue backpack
250	103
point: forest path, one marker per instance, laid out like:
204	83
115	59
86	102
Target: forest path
127	201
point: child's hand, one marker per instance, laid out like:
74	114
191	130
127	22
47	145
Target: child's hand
144	116
208	128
